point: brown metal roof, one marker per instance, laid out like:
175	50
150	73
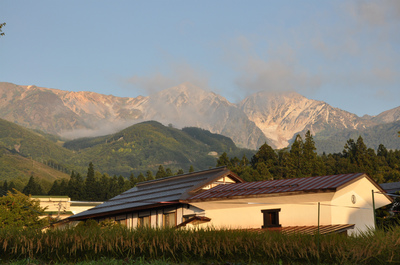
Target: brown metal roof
278	186
165	191
307	230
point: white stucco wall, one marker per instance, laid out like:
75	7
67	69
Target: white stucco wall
299	209
296	210
344	211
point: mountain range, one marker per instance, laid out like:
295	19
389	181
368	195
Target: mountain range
274	118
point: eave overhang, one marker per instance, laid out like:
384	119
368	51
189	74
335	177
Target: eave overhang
122	211
265	195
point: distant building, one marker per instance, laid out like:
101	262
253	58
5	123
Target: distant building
219	198
391	187
61	207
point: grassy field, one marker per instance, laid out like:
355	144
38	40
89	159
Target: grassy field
118	245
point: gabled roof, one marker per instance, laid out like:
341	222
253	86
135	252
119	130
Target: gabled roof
310	184
159	192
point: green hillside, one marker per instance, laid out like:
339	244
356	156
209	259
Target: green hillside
24	153
147	145
138	148
29	143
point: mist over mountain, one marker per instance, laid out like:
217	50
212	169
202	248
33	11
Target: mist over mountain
274	118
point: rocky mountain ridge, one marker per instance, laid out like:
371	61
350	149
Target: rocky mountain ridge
271	117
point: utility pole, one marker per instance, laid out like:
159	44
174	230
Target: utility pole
373	207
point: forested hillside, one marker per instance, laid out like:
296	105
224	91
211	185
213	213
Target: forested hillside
301	160
136	149
25	153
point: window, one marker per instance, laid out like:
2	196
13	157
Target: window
271	218
169	219
144	221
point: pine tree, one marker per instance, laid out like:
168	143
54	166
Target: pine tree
33	187
11	187
296	160
121	184
5	187
265	162
91	187
149	175
191	169
312	164
132	180
180	172
161	172
168	172
55	189
224	160
75	187
141	177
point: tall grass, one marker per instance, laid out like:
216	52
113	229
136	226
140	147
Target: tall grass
198	246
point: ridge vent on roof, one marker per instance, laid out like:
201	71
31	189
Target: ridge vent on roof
256	188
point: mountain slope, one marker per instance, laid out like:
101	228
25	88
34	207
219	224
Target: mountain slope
188	105
147	145
282	115
22	152
333	141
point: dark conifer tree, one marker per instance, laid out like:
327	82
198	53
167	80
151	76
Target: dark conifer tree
296	160
224	160
76	187
33	187
121	184
55	189
132	180
5	187
161	172
141	177
313	165
149	175
11	186
191	169
91	187
168	172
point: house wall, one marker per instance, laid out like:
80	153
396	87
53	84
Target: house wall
344	211
295	210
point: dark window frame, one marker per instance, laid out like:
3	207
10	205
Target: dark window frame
271	218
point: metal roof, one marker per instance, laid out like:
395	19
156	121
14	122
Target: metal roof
391	187
165	191
277	186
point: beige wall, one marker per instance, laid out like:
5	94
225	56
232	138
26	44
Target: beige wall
344	211
246	213
299	210
54	203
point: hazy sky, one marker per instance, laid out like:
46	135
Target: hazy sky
346	53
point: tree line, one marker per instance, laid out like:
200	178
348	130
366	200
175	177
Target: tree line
92	187
302	160
298	160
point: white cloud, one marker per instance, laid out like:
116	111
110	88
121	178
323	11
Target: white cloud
179	73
